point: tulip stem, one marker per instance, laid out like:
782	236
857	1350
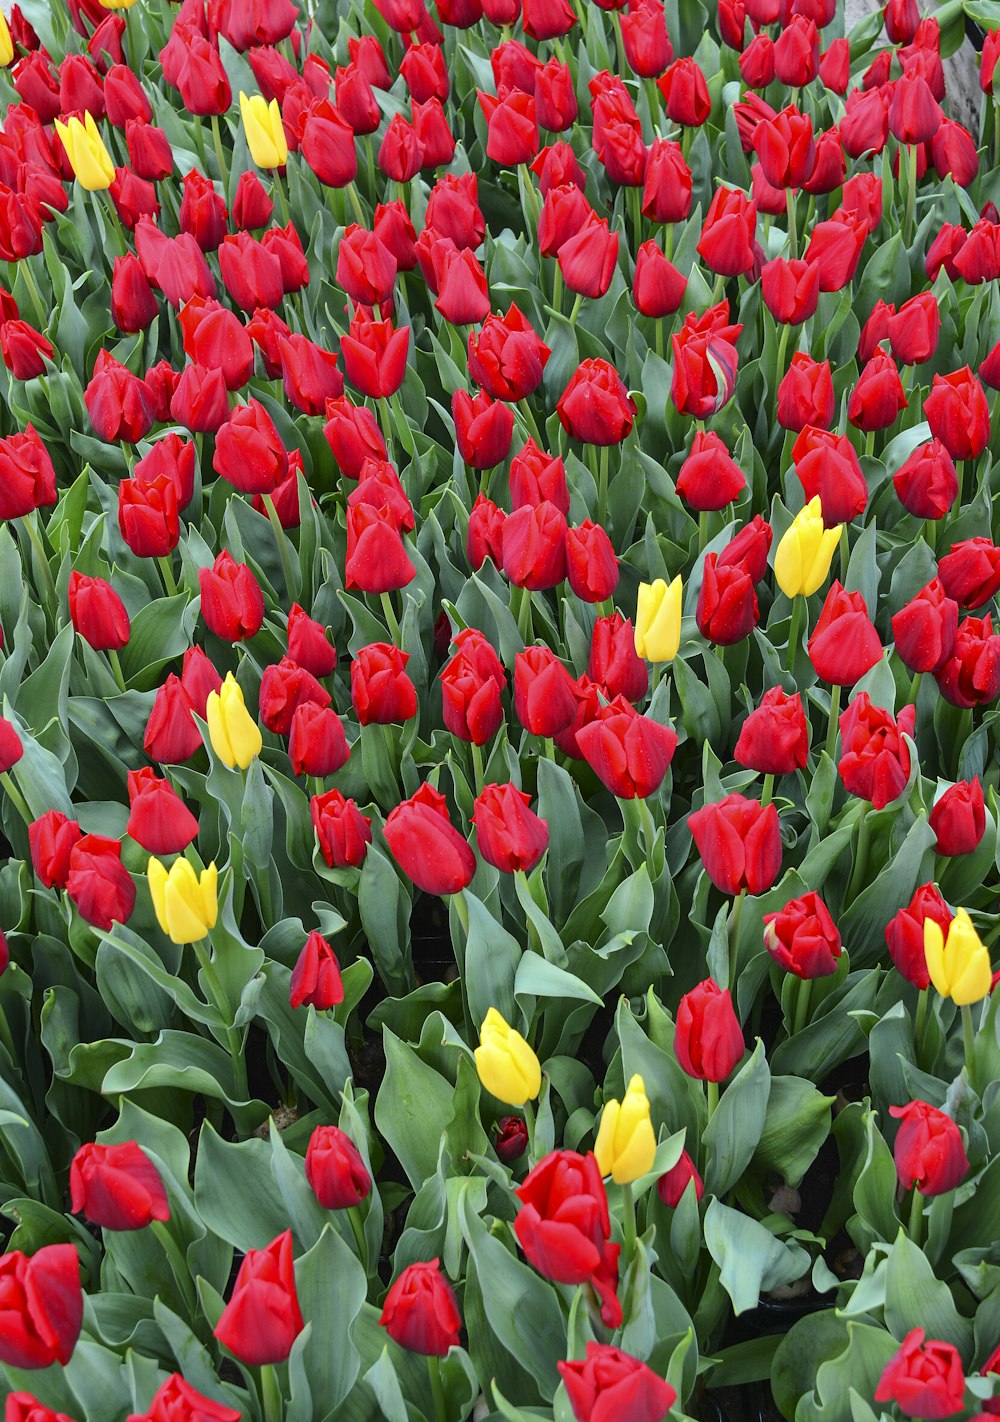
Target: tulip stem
167	573
178	1266
281	540
390	618
793	635
915	1225
833	725
557	289
219	155
911	193
359	212
524	621
802	993
29	281
215	991
704	532
921	1020
779	369
279	188
437	1388
270	1393
532	197
860	857
969	1041
628	1220
575	309
30	523
358	1230
767	792
15	797
529	420
713	1097
478	771
116	222
911	695
529	1121
793	236
602	485
116	667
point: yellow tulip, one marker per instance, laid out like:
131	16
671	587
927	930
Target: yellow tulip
803	555
658	620
959	965
88	157
265	135
6	44
234	734
117	4
507	1066
186	906
626	1145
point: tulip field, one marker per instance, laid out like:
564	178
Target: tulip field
499	711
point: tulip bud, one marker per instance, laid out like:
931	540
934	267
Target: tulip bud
626	1144
117	1187
420	1311
264	131
316	976
658	620
335	1170
959	963
929	1152
186	903
674	1182
88	157
235	735
804	552
507	1066
709	1039
959	818
262	1318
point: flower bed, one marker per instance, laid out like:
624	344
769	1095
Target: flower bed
499	712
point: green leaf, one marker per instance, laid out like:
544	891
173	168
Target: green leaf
750	1259
413	1106
795	1127
914	1298
731	1136
324	1363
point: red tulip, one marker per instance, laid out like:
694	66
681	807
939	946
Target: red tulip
426	845
510	835
708	1040
335	1170
739	842
262	1318
117	1187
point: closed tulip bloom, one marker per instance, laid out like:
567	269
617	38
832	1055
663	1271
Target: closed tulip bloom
878	397
790	289
117	1187
924	1380
705	367
185	902
315	980
626	1145
117	401
511	128
544	692
24	350
420	1312
534	546
98	883
483	429
958	963
133	305
666	193
510	835
802	938
610	1383
308	643
953	151
708	1040
335	1170
904	933
726	244
629	753
739	842
426	845
614	663
97	612
804	552
595	407
177	1401
507	1066
958	818
875	760
380	688
317	744
536	477
970	572
971	675
11	748
786	148
684	88
198	678
749	549
929	1152
342	831
774	739
924	630
828	469
216	338
727	608
262	1318
709	478
657	286
913	331
926	483
672	1185
471	705
232	603
375	355
51	839
844	644
591	563
264	132
958	414
89	159
283	688
658	620
158	818
234	734
805	394
23	1407
27	476
588	258
42	1309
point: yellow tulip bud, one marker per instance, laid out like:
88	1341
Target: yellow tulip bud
803	555
6	44
658	620
959	964
186	906
265	135
88	157
507	1066
626	1145
117	4
234	734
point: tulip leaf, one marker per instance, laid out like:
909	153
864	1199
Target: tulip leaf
324	1363
914	1298
413	1105
736	1126
751	1259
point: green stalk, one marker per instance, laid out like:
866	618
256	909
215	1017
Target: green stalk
270	1394
437	1388
628	1221
15	797
915	1224
390	618
116	667
219	155
793	236
861	856
713	1097
833	724
793	635
29	281
767	792
281	539
969	1042
178	1266
802	994
30	523
167	573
